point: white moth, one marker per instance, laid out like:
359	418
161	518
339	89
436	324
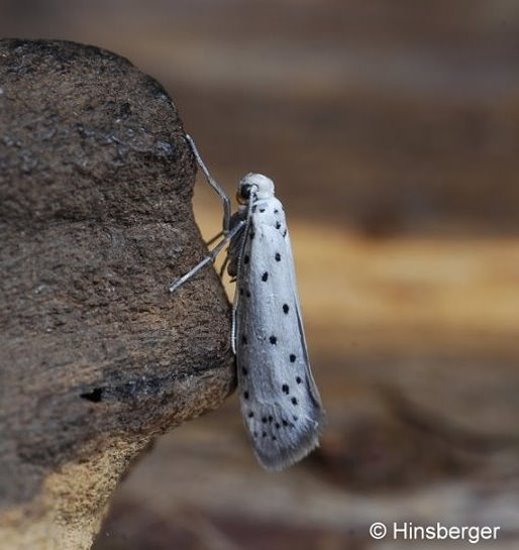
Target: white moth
280	403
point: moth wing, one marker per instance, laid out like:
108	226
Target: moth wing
312	385
279	399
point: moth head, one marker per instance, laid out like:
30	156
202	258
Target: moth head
257	184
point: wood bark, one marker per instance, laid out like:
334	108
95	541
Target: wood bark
96	357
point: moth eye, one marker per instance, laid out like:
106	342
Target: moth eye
244	192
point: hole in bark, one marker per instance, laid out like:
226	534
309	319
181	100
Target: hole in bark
95	395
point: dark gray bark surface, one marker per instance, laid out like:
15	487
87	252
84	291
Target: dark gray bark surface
96	356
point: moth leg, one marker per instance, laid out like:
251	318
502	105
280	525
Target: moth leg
226	201
208	259
233	325
214	239
224	265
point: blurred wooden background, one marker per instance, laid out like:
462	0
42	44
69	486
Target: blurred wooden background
392	132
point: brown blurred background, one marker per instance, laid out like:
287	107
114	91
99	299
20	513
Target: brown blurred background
392	131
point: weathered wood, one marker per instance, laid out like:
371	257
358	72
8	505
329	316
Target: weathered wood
96	357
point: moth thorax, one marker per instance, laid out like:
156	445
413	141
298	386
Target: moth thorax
259	184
